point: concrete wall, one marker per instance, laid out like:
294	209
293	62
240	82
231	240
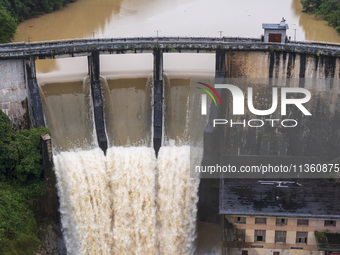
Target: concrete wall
260	251
321	77
13	93
279	64
275	31
269	246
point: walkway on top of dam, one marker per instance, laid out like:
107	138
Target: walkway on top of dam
83	47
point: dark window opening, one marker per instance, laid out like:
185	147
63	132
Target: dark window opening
260	220
303	222
301	237
281	221
280	236
330	223
241	220
260	235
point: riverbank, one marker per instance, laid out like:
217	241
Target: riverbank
328	9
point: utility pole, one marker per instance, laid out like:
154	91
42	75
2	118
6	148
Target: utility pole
294	31
157	32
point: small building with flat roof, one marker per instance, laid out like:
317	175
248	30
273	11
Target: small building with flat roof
280	217
275	32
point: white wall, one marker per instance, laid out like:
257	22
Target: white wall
13	93
275	31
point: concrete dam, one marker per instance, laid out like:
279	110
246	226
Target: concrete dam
235	58
138	197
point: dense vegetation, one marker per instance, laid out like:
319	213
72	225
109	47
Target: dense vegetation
330	9
14	11
20	182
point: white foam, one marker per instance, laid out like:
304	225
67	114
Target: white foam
127	202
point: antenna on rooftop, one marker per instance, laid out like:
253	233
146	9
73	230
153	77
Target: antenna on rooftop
280	184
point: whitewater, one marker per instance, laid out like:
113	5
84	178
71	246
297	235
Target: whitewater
127	202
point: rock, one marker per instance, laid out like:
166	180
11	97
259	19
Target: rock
52	242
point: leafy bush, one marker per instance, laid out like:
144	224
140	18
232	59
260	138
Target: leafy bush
20	153
8	26
20	182
18	228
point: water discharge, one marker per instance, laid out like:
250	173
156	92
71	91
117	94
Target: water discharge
86	201
127	202
176	201
132	173
69	115
128	110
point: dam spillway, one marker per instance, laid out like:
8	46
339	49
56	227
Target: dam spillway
101	195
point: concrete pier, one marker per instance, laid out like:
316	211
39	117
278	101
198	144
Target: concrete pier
34	102
50	202
158	99
94	72
220	67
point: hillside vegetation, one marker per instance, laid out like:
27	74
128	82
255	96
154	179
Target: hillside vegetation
330	9
20	184
12	12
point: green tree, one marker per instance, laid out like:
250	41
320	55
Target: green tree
8	26
20	184
6	136
20	156
14	11
18	228
310	5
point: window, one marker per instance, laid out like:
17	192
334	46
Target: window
280	236
301	237
330	223
244	252
241	220
260	220
276	253
281	221
239	234
301	222
260	236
